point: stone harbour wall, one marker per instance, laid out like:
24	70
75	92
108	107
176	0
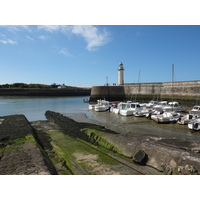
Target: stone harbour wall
183	89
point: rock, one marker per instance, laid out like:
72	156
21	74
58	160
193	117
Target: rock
141	157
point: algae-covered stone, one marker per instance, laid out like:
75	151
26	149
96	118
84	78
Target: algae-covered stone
20	152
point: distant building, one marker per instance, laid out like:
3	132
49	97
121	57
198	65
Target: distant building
62	86
120	74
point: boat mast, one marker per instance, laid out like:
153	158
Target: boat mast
138	86
172	82
172	86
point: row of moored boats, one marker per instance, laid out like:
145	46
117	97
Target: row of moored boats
161	112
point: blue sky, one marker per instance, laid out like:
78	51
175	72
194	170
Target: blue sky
84	55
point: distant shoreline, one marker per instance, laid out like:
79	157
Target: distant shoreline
43	92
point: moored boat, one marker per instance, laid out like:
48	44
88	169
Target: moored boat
102	105
160	105
115	107
185	119
167	117
152	114
194	124
130	108
91	106
173	107
125	109
141	112
151	104
195	110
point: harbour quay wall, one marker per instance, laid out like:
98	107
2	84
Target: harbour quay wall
107	92
43	92
183	90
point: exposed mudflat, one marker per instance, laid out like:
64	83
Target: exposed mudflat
135	125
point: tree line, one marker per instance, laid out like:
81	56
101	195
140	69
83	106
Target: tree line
31	85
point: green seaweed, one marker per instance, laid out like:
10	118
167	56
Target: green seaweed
63	148
95	135
27	138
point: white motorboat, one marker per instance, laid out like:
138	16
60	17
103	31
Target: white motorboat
125	109
185	119
151	104
160	105
194	124
173	107
115	108
152	114
91	106
129	108
102	105
195	110
142	112
167	117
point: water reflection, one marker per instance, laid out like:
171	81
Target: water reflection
35	108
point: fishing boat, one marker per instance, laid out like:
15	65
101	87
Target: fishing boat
102	105
129	108
125	109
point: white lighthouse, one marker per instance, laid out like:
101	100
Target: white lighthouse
120	74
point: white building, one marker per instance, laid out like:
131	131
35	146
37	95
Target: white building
62	86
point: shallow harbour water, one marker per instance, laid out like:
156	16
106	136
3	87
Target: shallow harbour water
34	109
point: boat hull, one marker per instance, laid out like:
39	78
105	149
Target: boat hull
126	112
101	108
194	125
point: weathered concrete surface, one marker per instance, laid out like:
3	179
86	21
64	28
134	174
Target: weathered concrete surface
162	155
20	153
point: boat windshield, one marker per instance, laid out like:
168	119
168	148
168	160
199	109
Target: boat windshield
196	108
135	105
125	106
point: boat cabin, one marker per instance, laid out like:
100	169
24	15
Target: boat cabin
173	104
196	108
